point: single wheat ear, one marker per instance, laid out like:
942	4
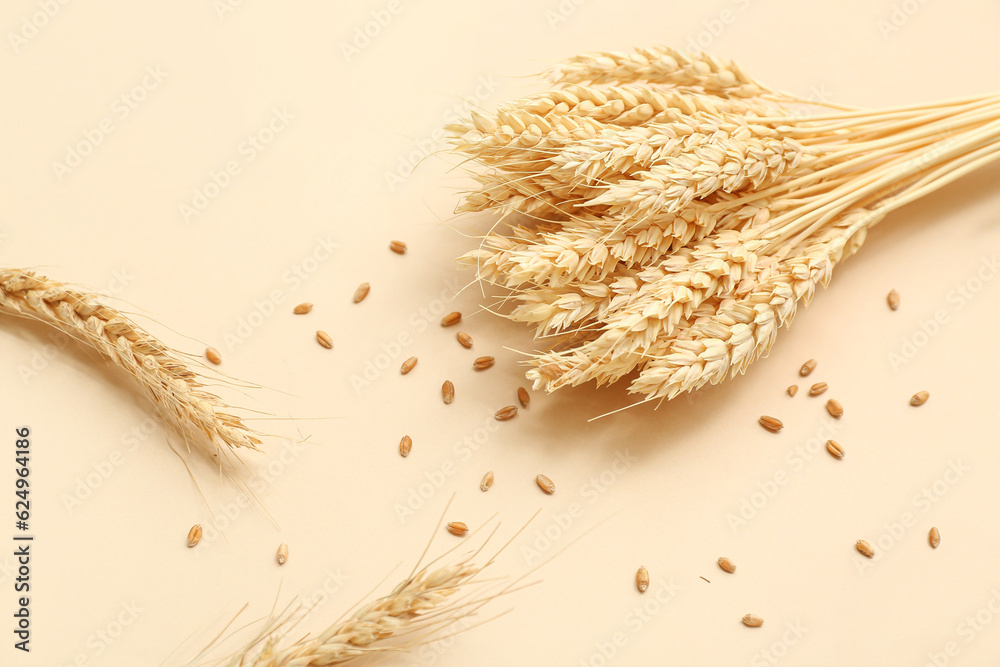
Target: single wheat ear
175	389
437	597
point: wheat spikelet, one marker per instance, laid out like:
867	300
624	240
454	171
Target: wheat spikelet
169	382
659	64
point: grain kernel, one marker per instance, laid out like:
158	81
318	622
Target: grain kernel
792	389
487	481
817	389
398	247
752	621
194	535
408	365
405	445
457	528
323	338
523	397
807	367
865	549
772	424
282	554
642	579
213	355
545	484
919	398
361	292
447	392
934	537
835	449
835	409
482	363
450	319
464	339
727	565
302	308
505	414
893	300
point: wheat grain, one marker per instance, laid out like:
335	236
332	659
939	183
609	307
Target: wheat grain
817	389
302	308
865	549
448	392
405	445
523	397
752	621
194	535
282	554
408	365
835	449
451	319
323	338
934	538
505	414
919	398
642	579
482	363
545	484
727	565
213	355
457	528
398	247
361	292
464	339
486	482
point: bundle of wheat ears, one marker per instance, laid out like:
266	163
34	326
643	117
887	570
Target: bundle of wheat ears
674	212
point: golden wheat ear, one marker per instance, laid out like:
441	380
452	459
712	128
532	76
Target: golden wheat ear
176	390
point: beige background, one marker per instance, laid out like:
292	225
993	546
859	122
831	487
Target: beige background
113	504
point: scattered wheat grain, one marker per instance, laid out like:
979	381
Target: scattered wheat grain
817	389
447	392
457	528
919	398
361	292
405	445
487	481
642	579
408	365
893	300
523	397
772	424
752	621
464	339
213	355
323	338
934	537
792	389
545	484
194	535
451	319
835	409
865	549
807	367
398	247
282	555
506	413
727	565
302	308
835	449
482	363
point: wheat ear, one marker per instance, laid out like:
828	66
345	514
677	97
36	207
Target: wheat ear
175	389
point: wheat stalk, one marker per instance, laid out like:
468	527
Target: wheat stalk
176	390
678	211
